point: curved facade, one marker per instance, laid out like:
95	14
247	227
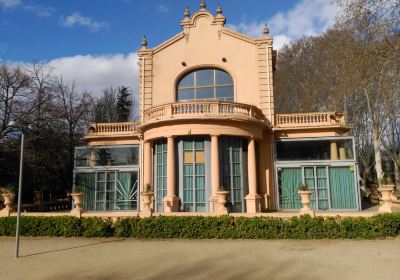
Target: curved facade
207	124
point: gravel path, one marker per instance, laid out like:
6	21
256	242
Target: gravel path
79	258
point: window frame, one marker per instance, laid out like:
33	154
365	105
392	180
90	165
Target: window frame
213	86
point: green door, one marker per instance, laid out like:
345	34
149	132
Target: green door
342	189
289	181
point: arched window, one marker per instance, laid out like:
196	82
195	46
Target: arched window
205	84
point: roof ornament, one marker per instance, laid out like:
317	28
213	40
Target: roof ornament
187	12
202	5
144	42
266	30
219	9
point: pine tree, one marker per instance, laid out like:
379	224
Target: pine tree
124	104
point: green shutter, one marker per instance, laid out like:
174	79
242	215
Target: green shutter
343	194
290	180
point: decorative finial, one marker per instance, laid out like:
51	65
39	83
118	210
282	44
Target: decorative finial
144	41
187	12
219	9
202	5
266	29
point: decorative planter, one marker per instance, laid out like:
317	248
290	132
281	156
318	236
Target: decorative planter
78	199
386	192
37	198
147	197
8	202
306	201
222	196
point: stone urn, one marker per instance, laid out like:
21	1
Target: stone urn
147	197
222	197
386	193
37	198
78	200
8	202
305	197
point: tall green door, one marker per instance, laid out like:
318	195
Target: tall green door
342	188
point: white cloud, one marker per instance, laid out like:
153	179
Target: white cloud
162	9
39	11
76	19
308	17
94	73
9	3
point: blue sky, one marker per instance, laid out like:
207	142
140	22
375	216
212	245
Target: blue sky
94	41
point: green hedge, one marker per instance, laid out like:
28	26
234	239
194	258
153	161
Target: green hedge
198	227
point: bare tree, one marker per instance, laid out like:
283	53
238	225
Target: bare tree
13	85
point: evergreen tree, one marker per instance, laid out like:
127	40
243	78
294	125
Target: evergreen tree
124	104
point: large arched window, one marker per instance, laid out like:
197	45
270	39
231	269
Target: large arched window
205	84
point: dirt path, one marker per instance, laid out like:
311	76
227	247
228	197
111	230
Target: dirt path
61	258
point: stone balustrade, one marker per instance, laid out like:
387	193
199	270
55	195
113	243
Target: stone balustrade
309	119
202	109
105	129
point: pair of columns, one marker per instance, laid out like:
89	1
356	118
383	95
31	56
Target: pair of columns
334	151
171	201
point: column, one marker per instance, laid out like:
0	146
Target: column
171	201
334	151
252	199
215	179
147	167
342	152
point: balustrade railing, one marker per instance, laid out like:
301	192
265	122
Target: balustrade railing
122	128
309	119
202	109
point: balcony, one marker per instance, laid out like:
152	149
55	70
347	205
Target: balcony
324	119
112	129
203	110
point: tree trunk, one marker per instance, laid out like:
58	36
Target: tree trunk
378	156
396	175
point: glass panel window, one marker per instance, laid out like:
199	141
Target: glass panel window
334	149
200	157
185	94
194	179
222	78
160	186
106	156
205	77
224	93
109	190
205	93
205	84
187	81
232	171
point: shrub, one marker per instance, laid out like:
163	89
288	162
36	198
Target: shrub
201	227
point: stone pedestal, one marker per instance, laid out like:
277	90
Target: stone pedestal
78	200
147	198
37	198
252	203
213	203
8	202
221	203
386	192
171	203
306	201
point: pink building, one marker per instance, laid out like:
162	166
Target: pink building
207	123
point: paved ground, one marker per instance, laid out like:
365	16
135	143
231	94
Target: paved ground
60	258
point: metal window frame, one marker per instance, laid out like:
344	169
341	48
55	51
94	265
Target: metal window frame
107	146
301	139
301	165
214	86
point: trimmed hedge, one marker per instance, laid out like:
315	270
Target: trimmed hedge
198	227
